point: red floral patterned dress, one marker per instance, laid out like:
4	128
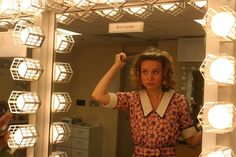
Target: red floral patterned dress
155	133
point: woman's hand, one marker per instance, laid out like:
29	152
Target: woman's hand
120	59
5	119
3	139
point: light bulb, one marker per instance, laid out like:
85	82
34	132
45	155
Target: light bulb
109	12
56	131
20	102
61	43
5	5
25	4
22	105
137	10
59	101
167	6
59	70
82	2
219	117
216	154
18	135
62	17
201	4
24	34
222	23
221	69
22	69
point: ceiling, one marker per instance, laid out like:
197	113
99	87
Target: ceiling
157	26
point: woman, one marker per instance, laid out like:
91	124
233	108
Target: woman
158	115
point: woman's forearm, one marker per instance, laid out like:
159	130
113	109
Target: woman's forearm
100	92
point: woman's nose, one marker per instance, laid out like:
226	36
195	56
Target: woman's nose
150	76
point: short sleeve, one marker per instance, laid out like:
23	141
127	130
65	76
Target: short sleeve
119	100
123	99
186	123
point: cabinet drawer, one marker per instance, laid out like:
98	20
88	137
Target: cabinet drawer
79	153
80	143
80	132
67	150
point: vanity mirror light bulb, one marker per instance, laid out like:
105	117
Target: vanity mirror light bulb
9	7
220	22
58	154
26	34
23	102
222	28
84	4
221	69
64	42
62	72
113	3
220	116
65	18
217	151
61	102
172	8
31	6
217	117
60	132
199	4
218	69
26	69
113	14
140	11
22	136
58	5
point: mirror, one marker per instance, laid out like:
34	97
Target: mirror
7	86
105	132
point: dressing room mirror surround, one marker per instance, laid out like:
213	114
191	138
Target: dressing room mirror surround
93	53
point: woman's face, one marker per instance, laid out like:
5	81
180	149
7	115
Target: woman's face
151	72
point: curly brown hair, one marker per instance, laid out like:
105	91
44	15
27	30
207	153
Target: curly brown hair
157	55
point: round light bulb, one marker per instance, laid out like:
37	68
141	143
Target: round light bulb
219	117
56	131
24	34
25	4
5	5
221	69
137	10
59	70
59	102
216	154
22	69
200	4
167	6
222	23
60	42
18	136
20	102
109	12
62	17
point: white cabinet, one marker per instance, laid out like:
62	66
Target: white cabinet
84	142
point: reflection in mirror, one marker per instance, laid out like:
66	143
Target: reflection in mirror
7	86
100	132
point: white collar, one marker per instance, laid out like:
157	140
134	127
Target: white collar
146	104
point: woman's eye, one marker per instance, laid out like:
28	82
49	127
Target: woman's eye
144	72
156	72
